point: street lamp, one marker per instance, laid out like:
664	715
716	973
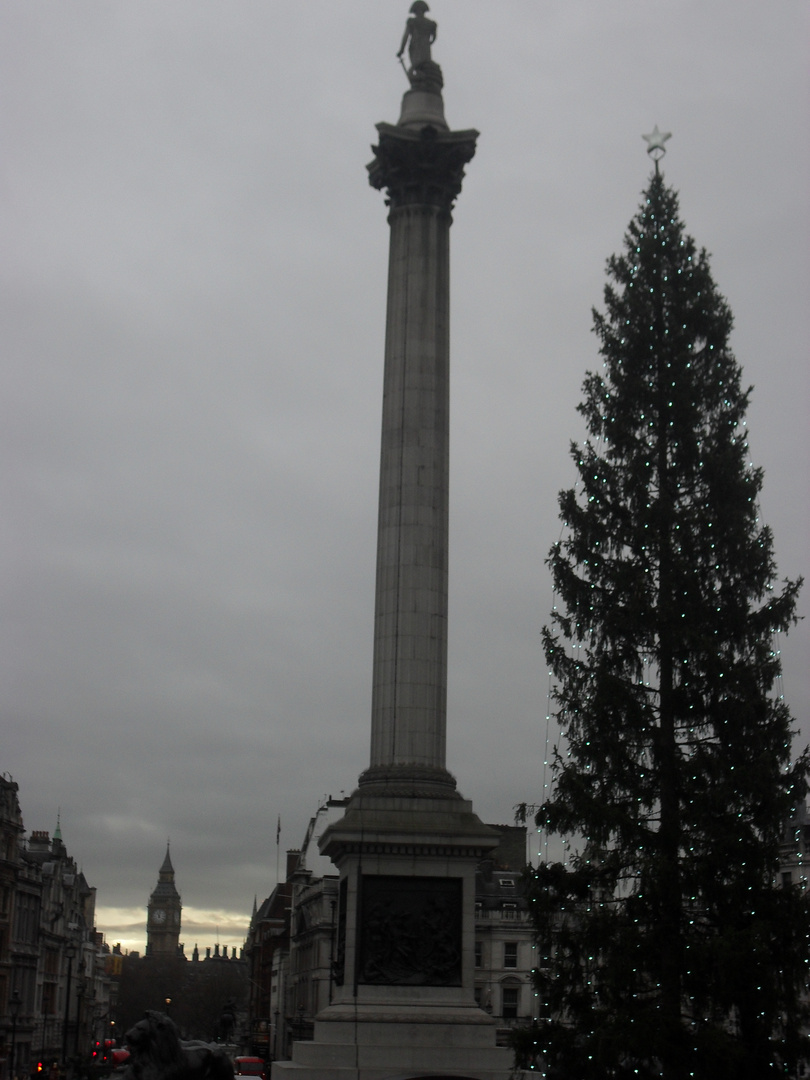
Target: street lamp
333	906
80	989
70	952
13	1008
299	1027
168	1006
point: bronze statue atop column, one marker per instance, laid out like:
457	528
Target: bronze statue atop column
420	33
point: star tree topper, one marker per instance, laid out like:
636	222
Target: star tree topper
655	143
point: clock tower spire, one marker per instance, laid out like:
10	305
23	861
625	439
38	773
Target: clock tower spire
163	914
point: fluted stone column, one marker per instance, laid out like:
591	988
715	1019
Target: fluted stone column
408	844
422	168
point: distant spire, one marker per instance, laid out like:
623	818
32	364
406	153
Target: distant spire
57	832
167	867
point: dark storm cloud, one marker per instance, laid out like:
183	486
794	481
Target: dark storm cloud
194	288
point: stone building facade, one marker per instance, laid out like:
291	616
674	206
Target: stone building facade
267	939
504	936
57	975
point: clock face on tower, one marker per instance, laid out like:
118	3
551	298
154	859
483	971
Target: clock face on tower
159	915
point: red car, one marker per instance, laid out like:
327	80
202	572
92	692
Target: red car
249	1066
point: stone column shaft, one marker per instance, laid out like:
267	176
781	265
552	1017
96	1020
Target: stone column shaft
422	171
410	629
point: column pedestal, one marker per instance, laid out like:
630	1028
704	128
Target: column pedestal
403	1002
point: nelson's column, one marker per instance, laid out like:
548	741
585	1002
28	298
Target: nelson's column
408	844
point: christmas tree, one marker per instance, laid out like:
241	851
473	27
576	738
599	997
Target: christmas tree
666	944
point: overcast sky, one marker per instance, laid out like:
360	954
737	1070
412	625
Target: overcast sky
193	313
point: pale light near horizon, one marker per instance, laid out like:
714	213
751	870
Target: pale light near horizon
126	926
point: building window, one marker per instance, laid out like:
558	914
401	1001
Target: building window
787	878
27	918
48	999
510	957
510	911
509	1002
479	954
506	883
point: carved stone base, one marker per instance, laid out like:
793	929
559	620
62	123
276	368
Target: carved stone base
376	1043
403	1002
409	931
407	782
422	106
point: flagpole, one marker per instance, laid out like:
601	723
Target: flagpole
278	849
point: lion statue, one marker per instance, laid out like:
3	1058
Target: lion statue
157	1053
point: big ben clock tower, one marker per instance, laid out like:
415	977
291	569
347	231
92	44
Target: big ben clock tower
163	914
